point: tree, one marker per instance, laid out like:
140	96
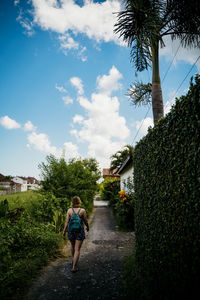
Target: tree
144	23
119	157
62	179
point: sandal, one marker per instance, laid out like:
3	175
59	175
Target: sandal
74	271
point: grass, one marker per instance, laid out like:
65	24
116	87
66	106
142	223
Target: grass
24	199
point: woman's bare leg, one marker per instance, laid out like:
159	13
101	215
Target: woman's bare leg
72	247
78	245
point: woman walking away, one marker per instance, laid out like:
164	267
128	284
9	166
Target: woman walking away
76	218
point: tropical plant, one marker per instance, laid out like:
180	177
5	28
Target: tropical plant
119	157
143	24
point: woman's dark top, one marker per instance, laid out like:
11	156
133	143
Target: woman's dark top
80	236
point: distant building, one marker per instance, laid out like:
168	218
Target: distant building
22	182
18	184
126	173
107	173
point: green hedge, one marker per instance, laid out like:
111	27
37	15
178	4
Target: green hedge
167	219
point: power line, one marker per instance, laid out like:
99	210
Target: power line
141	124
184	78
173	96
162	82
171	63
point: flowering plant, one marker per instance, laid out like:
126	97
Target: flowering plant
123	196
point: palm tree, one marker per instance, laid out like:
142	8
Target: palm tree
119	157
144	23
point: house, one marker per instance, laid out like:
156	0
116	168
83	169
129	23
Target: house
126	173
27	183
18	184
107	173
22	182
32	183
10	187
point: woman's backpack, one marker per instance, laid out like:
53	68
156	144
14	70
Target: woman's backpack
75	222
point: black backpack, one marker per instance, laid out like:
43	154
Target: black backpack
75	222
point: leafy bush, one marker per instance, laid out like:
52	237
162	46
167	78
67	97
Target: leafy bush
77	177
167	188
20	258
109	189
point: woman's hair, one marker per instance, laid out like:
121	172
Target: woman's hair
76	201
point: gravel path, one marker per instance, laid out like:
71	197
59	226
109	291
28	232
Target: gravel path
100	265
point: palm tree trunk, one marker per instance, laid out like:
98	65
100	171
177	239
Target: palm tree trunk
157	100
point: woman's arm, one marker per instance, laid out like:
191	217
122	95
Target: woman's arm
66	223
85	220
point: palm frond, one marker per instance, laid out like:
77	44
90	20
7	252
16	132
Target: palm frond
140	93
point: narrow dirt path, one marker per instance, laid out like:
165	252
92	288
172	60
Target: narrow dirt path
100	264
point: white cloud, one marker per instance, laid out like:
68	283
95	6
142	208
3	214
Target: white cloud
41	142
143	125
81	54
104	130
16	2
67	100
71	150
9	123
172	96
109	83
77	83
78	119
188	55
95	20
61	89
29	126
26	24
67	42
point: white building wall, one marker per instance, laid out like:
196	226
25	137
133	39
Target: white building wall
124	175
22	182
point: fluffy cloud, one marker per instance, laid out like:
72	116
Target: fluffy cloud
9	123
77	83
95	20
188	55
109	83
67	42
42	143
78	119
104	130
143	125
29	126
67	100
71	150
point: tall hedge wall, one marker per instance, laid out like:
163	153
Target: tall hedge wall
167	190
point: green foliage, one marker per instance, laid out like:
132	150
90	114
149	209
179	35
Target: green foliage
77	177
124	207
110	189
167	186
3	208
20	258
140	93
2	188
58	221
119	157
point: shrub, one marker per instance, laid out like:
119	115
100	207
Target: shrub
167	187
109	190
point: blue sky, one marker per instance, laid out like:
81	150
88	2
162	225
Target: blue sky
64	76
